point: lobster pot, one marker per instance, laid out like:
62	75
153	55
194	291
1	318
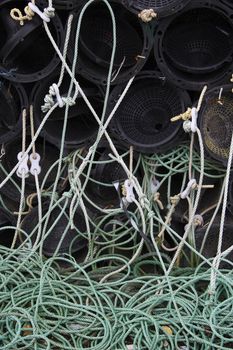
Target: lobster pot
143	118
105	172
133	43
195	47
216	124
26	53
82	126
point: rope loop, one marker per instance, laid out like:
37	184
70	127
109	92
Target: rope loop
50	101
191	186
17	15
175	200
30	10
46	15
158	201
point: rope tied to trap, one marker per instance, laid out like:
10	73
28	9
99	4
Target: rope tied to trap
30	10
147	15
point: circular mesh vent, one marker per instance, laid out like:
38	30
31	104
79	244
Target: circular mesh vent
216	124
143	118
162	7
195	47
99	46
198	49
132	43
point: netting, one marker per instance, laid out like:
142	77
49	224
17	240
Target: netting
106	248
163	8
216	123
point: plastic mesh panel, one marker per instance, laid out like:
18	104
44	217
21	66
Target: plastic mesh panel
163	7
217	126
198	48
99	46
195	47
143	119
154	3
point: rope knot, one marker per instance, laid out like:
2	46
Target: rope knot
187	126
175	200
68	195
147	15
198	220
191	186
17	15
158	201
183	116
191	125
69	101
50	101
151	214
143	200
49	12
30	14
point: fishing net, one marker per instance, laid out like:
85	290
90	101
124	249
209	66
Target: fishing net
104	246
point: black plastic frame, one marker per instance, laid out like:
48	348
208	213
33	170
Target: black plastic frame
98	77
118	132
162	11
23	100
24	31
210	95
177	76
37	99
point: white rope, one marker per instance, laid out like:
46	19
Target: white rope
46	15
22	172
217	259
38	191
191	185
193	213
